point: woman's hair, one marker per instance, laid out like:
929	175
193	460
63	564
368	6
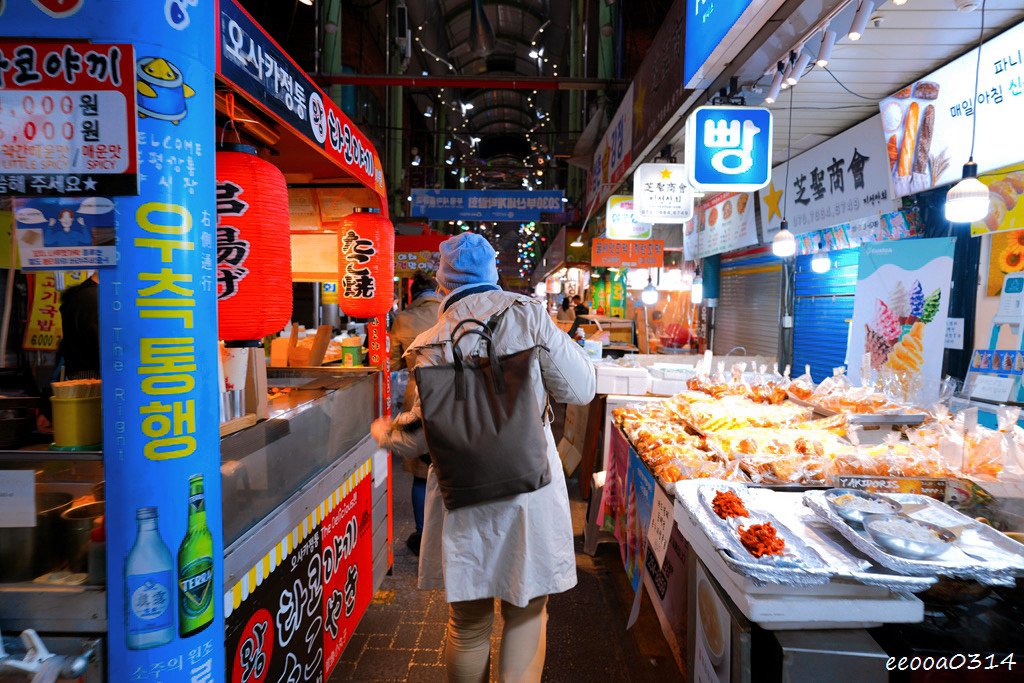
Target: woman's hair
565	303
422	282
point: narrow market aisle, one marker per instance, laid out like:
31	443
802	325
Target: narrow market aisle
401	638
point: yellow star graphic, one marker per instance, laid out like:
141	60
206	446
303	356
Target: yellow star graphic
638	108
771	199
666	174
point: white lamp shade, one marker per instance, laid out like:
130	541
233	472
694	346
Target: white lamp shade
967	201
784	244
820	262
649	295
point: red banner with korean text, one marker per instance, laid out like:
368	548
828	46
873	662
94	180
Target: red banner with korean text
605	253
68	118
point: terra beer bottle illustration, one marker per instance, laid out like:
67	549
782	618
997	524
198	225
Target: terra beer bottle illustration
149	586
195	566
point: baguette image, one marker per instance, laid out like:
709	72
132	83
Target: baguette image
909	137
894	152
924	140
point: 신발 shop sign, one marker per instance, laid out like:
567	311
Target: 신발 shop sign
67	119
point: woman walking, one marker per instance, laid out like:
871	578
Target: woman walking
517	549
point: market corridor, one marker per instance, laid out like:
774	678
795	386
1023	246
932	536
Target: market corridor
401	638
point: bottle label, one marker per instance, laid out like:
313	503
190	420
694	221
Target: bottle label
196	503
149	602
195	588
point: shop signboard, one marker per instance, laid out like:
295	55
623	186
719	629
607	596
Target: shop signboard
899	315
484	205
292	614
250	59
617	294
728	148
65	233
67	116
621	219
157	307
843	180
605	253
303	210
657	87
726	223
1006	210
612	155
43	329
928	125
707	24
661	195
418	253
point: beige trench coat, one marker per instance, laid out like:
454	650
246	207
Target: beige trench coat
514	548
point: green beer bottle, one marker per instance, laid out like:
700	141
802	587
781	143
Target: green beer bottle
195	566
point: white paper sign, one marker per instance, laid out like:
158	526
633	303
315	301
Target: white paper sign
661	195
621	220
380	467
17	498
840	181
993	388
955	333
660	529
727	223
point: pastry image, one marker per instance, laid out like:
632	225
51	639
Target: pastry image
712	216
903	94
931	306
892	117
727	210
926	90
924	140
894	152
907	356
1003	197
741	203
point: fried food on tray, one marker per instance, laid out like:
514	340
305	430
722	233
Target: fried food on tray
761	540
727	504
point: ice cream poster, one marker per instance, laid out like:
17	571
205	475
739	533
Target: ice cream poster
899	314
65	233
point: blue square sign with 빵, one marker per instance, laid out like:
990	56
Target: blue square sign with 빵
729	148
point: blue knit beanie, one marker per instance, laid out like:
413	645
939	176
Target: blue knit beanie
465	260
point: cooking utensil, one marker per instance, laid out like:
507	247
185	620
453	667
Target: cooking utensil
904	546
80	521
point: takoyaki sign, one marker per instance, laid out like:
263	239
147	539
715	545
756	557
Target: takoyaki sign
67	119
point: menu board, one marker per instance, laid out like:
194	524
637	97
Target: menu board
726	223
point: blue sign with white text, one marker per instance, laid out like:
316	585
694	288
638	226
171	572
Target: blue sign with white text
707	23
729	148
485	205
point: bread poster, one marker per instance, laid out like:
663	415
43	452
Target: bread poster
1006	207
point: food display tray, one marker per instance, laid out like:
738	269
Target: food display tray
829	559
994	559
868	420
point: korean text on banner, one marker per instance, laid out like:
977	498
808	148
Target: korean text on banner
65	233
729	148
927	126
612	156
661	195
726	223
621	220
161	442
899	315
68	123
605	253
484	205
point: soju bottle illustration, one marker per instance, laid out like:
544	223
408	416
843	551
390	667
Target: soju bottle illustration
195	566
149	586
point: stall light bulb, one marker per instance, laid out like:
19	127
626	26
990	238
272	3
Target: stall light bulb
784	243
968	200
773	91
828	40
649	295
697	290
576	243
860	20
820	262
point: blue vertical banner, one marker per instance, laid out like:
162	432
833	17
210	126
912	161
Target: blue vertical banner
158	321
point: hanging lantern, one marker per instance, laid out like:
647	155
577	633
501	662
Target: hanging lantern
366	250
254	277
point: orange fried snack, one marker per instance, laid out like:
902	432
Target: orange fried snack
761	540
727	504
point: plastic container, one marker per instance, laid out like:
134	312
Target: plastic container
352	356
77	422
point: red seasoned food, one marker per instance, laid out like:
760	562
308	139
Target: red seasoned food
727	504
761	540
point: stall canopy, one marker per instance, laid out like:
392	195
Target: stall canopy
331	166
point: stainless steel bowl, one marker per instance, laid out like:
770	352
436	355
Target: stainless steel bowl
909	548
853	515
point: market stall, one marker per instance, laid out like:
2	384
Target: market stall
294	512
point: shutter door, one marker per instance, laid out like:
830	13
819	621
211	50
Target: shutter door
749	303
823	307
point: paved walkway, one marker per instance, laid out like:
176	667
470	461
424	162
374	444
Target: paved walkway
401	637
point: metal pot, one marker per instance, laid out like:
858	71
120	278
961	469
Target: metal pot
27	552
80	521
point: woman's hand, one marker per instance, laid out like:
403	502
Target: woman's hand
380	430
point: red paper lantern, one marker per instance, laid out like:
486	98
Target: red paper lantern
254	251
366	269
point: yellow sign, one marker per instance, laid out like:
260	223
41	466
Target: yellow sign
6	228
328	293
43	331
1006	210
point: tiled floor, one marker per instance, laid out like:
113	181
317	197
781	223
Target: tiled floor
401	637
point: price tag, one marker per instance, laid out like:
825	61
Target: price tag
661	524
17	498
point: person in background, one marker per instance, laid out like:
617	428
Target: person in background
580	307
420	315
565	312
80	317
518	549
